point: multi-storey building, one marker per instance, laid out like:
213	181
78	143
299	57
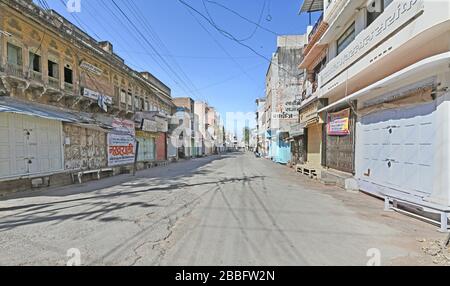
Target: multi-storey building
187	126
202	142
261	127
385	85
68	102
283	84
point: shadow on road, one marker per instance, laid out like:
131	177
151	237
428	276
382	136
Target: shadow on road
94	202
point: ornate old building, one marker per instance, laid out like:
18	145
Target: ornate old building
62	95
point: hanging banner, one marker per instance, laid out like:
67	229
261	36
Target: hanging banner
121	149
339	123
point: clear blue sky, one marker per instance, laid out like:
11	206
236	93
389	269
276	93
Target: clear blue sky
213	68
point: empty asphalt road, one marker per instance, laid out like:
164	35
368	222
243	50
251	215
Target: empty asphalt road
232	209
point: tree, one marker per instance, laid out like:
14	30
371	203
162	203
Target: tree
247	136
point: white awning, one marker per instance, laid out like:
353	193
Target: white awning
311	6
423	69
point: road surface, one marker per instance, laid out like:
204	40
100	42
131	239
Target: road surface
233	209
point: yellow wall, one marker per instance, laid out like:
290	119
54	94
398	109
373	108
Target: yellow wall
315	145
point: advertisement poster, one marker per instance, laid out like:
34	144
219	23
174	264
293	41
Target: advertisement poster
339	123
121	149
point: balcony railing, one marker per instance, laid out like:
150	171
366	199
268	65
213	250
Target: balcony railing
68	87
54	83
35	75
315	28
14	70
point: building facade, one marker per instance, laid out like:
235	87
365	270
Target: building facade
384	97
283	86
68	103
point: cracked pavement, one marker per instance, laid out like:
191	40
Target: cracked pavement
232	209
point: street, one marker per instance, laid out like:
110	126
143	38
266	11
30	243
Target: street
232	209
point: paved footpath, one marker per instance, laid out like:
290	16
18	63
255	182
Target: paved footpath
233	209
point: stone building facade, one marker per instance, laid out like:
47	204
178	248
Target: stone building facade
57	80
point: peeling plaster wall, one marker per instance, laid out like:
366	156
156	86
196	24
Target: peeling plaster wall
87	148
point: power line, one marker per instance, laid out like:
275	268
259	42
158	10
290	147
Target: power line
158	41
258	25
221	46
233	38
149	44
77	21
188	56
138	40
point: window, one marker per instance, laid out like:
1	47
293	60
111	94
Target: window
68	75
346	38
136	103
123	96
130	99
375	8
53	69
14	55
35	62
146	107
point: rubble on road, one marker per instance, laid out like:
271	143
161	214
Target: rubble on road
438	249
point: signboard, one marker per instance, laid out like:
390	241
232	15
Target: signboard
339	123
124	125
94	95
292	107
144	135
162	125
91	68
309	113
121	149
149	125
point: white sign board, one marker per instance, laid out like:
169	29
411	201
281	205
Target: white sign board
149	125
121	149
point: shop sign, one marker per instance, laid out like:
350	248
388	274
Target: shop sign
94	95
149	125
144	135
162	125
91	68
339	123
121	149
309	113
124	125
292	107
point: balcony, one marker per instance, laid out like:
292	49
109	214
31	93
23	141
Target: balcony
313	50
35	75
54	83
315	28
309	89
14	70
69	88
